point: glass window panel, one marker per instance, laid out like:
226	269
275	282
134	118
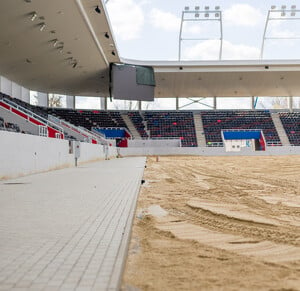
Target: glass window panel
234	103
83	102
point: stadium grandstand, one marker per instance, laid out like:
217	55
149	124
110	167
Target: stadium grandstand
67	99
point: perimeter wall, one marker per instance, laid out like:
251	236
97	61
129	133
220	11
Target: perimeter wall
24	154
208	151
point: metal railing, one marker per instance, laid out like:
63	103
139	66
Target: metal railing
31	114
214	144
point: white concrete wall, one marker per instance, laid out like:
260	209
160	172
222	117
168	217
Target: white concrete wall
154	143
90	152
235	145
5	86
22	154
14	90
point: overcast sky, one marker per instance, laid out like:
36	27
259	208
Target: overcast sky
149	30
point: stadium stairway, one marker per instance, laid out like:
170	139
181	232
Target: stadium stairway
76	132
131	127
28	121
280	130
199	130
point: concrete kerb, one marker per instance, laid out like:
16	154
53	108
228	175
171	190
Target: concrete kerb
128	233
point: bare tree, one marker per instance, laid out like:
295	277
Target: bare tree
279	103
126	104
55	100
34	98
273	103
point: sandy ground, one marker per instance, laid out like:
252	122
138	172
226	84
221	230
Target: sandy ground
217	223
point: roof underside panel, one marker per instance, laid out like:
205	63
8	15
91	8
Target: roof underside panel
70	54
225	78
65	46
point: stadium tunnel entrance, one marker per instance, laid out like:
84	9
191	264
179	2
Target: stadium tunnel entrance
234	140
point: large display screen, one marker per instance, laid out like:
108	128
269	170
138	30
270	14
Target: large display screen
132	82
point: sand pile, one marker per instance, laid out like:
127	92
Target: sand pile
230	223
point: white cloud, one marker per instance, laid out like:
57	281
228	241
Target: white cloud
191	28
239	52
243	14
127	18
276	30
164	20
209	50
145	2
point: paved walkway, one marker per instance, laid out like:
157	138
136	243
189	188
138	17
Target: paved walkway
68	229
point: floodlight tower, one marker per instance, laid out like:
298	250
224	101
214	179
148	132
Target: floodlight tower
281	13
196	15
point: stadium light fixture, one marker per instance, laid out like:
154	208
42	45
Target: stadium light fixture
281	13
55	42
42	26
97	9
33	16
200	13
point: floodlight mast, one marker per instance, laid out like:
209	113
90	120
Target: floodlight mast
200	16
285	15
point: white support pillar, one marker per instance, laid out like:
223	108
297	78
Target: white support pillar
25	95
177	103
70	102
42	99
215	103
290	103
252	102
6	86
105	103
16	91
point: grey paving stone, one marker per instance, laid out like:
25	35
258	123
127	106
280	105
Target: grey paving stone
68	229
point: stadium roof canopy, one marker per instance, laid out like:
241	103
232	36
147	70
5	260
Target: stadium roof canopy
66	46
